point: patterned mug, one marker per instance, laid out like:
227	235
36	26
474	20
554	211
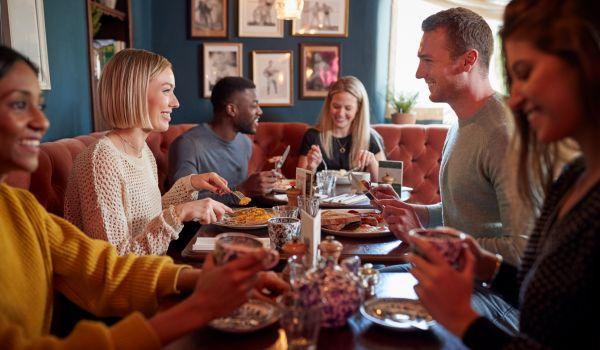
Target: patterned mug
282	230
231	245
447	241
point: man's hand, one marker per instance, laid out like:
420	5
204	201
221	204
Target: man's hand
400	217
259	184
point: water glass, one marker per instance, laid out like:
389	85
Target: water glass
285	211
309	204
301	323
326	183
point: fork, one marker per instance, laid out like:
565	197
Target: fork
243	199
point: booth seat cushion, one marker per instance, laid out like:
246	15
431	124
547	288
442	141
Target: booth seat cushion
418	146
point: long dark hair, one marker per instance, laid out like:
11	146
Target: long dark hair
569	30
8	57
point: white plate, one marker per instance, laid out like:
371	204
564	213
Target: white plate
397	313
224	223
250	317
382	229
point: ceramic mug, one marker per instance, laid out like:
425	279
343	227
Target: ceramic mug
447	241
282	230
231	245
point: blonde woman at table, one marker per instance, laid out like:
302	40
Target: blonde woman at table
113	192
42	254
552	55
343	138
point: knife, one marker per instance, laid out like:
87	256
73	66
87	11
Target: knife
283	157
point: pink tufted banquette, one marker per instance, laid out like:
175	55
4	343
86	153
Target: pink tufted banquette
418	146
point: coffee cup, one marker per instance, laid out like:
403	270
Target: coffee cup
282	230
232	245
447	241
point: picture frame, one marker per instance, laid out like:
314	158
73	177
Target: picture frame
208	18
23	28
328	18
220	60
258	19
272	75
319	68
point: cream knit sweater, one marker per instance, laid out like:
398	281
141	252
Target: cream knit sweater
115	197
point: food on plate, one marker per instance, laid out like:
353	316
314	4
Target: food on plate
353	221
248	216
245	200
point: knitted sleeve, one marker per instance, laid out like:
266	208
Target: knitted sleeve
108	201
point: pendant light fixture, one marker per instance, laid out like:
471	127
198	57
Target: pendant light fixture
289	9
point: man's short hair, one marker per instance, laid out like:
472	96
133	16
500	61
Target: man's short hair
465	30
227	87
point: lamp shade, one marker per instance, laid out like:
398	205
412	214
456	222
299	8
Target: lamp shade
289	9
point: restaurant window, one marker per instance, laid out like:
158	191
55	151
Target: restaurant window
405	37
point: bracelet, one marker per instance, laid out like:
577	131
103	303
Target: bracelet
499	260
174	215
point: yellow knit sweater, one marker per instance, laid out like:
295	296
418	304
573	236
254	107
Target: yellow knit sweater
40	252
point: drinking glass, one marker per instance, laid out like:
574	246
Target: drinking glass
301	323
285	211
326	183
309	204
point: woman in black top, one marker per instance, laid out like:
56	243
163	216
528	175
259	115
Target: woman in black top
343	138
552	55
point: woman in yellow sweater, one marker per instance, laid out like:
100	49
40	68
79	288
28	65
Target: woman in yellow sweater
41	253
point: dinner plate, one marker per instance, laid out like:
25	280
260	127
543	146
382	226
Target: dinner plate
397	313
224	223
379	231
250	317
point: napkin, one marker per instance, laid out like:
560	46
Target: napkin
208	243
355	199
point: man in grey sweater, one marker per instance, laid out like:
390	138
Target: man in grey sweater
221	145
475	188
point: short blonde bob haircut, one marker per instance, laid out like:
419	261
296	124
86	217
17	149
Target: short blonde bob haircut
123	88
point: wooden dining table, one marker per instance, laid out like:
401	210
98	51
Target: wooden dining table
359	333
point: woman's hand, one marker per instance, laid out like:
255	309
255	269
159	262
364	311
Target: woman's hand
366	160
314	157
269	286
222	289
211	182
444	291
205	211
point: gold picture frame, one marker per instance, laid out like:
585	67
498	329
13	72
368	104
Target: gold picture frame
208	18
258	19
320	66
327	18
272	73
220	60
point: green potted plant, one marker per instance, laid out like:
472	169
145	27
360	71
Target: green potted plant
402	104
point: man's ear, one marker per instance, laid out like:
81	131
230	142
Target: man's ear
470	59
231	109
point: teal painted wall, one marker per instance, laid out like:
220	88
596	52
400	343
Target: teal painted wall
68	102
363	54
162	26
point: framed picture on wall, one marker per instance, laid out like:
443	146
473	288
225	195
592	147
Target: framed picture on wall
322	18
257	18
208	18
319	69
220	60
272	75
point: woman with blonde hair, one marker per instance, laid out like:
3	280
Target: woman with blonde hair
343	138
42	254
113	191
